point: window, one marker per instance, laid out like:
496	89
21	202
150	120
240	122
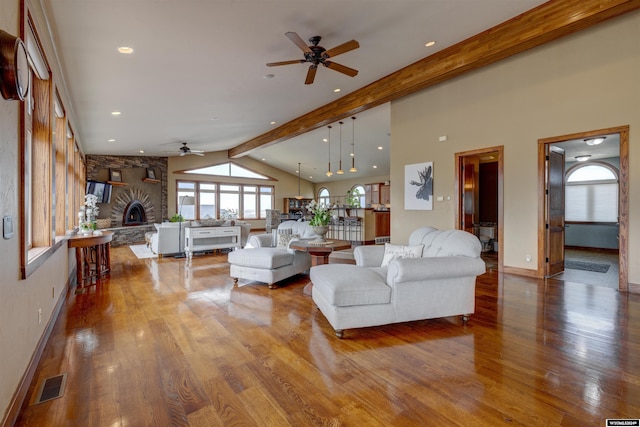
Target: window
186	189
227	169
223	200
323	197
360	189
591	193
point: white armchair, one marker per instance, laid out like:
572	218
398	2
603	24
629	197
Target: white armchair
167	238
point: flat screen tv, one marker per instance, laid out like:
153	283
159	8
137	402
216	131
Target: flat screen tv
102	190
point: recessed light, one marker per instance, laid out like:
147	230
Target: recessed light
269	76
583	158
375	167
429	43
141	151
116	113
324	139
126	50
336	90
380	148
595	141
264	160
111	140
273	122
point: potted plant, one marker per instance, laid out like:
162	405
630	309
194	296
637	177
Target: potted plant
176	218
320	219
353	198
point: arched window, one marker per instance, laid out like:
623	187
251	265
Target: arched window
360	189
323	197
591	193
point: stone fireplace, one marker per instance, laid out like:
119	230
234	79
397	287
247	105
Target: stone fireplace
137	201
132	207
134	214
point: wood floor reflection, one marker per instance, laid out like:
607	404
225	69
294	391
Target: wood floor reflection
163	343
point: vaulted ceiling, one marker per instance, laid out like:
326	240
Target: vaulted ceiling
198	70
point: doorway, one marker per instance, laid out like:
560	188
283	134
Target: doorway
551	246
479	184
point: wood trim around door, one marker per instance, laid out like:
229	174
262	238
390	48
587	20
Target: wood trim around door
623	203
459	182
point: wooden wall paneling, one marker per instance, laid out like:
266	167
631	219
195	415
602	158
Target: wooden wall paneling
60	175
41	160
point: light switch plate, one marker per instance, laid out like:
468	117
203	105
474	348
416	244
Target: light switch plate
7	227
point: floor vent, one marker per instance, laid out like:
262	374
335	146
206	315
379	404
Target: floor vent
51	388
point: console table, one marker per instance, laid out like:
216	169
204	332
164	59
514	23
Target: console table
210	238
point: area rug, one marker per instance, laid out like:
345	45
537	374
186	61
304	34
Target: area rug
587	266
142	251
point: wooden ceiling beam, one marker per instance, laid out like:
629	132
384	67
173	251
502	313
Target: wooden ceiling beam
543	24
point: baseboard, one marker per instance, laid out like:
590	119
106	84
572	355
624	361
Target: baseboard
599	250
634	288
21	393
521	272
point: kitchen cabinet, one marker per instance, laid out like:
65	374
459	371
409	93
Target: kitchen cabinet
385	194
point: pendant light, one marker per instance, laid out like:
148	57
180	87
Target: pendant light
353	142
329	173
340	171
299	196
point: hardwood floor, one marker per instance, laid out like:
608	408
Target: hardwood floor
165	344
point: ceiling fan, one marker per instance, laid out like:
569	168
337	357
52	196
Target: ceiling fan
184	150
317	55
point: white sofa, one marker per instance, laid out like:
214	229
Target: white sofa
262	260
438	281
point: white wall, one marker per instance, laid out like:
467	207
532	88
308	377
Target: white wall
20	299
587	81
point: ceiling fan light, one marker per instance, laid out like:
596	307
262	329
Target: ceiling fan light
583	158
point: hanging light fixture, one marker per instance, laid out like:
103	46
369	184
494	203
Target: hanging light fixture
340	171
299	196
353	143
329	173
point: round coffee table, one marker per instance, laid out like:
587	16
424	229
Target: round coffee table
320	253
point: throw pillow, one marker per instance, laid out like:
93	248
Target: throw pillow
392	252
285	238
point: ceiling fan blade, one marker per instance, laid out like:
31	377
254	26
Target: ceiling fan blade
311	74
184	153
344	47
295	61
295	38
341	68
198	153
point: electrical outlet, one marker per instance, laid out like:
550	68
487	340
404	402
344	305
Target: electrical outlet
39	316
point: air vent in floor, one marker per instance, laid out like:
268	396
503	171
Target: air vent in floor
51	388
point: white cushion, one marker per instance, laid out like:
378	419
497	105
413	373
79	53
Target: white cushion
269	258
392	252
346	285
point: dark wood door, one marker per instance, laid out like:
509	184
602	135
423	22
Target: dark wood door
555	210
469	192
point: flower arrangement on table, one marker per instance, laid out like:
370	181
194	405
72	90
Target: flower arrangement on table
321	214
90	212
